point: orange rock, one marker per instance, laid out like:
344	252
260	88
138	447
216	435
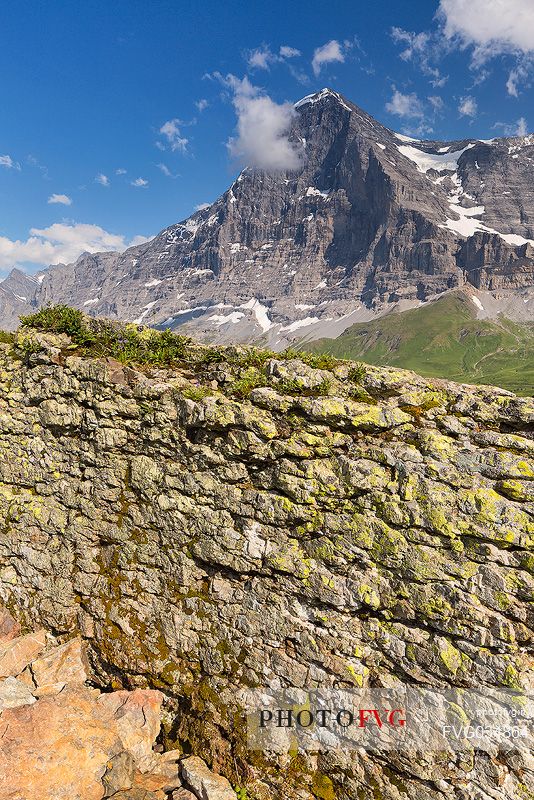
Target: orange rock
162	775
17	653
57	748
137	717
67	745
8	627
120	772
64	665
14	693
205	783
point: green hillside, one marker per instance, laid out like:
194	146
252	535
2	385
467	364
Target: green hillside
443	339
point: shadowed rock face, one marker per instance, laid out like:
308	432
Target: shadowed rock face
370	219
327	530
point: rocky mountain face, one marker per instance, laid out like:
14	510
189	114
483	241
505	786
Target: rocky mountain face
264	522
370	220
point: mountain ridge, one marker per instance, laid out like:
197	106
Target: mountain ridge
371	219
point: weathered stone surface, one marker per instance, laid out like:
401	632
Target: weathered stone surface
17	653
9	628
63	665
61	738
120	774
199	544
137	717
204	783
183	794
14	693
56	748
79	743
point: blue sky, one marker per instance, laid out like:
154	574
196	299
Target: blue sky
116	116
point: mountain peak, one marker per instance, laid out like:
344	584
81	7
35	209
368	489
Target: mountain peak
322	95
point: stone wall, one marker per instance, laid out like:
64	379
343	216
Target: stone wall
327	530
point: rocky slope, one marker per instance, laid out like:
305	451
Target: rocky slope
370	219
245	520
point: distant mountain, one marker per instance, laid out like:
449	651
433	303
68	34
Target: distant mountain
444	339
371	221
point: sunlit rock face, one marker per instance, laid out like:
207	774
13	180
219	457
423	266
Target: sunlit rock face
369	220
267	522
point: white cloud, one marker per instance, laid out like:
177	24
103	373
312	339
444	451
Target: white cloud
468	107
519	128
421	48
511	83
202	104
262	57
522	127
139	182
7	162
120	171
489	26
262	128
202	206
328	53
62	199
436	102
171	131
61	243
35	163
492	28
289	52
102	179
415	43
405	105
519	75
166	171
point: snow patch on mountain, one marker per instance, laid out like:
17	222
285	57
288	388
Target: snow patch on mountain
404	138
260	312
312	191
147	308
467	224
426	161
222	319
300	323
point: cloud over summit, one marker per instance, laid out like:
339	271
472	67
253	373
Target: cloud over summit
262	128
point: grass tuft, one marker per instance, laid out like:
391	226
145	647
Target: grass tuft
129	344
